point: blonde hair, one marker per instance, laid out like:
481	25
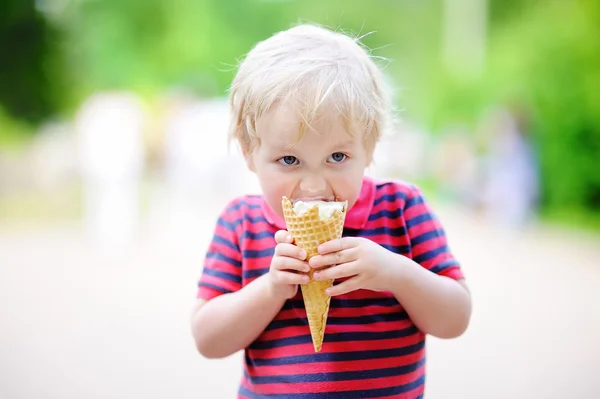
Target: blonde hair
310	68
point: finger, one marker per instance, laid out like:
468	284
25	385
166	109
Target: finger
345	287
284	277
286	263
283	236
337	245
290	250
335	272
333	258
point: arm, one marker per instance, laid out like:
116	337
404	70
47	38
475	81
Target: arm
438	305
428	284
230	322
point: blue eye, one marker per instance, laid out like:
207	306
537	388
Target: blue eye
288	160
337	157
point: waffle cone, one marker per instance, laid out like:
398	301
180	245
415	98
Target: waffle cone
309	231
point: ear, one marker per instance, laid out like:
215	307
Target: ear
249	157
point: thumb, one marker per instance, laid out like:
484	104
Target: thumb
283	236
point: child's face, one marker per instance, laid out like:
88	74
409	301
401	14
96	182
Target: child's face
327	163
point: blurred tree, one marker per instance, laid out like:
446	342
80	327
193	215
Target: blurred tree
27	46
549	56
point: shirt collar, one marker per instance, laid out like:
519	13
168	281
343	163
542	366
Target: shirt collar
356	218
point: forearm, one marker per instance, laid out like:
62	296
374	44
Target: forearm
438	305
230	322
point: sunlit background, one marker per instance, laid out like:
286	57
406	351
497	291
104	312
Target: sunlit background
114	164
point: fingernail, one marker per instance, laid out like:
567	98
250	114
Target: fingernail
288	238
305	279
316	275
302	253
328	291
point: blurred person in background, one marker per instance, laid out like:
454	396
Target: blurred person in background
509	180
308	107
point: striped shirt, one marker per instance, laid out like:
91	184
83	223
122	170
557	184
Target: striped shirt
371	347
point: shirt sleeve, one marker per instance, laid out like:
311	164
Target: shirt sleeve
428	238
222	270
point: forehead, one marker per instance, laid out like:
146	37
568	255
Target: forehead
284	127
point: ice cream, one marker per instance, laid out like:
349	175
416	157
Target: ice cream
326	209
311	224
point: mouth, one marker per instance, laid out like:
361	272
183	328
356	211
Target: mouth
318	198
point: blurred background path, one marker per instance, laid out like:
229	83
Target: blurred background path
79	321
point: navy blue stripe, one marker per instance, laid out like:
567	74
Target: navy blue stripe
414	201
427	236
444	265
242	203
424	257
347	303
339	376
363	393
231	226
337	337
327	357
213	287
385	213
223	275
252	220
252	235
252	273
359	320
389	198
398	249
419	219
385	184
223	258
260	253
394	232
226	225
224	241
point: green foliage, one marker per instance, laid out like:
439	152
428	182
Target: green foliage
152	45
27	78
550	56
544	56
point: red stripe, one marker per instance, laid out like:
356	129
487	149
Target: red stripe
293	331
341	312
337	347
326	367
453	273
226	285
207	293
260	243
224	249
336	386
407	395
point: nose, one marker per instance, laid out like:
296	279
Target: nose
313	184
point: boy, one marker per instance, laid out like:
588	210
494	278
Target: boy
308	107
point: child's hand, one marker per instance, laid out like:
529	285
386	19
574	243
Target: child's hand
288	266
368	264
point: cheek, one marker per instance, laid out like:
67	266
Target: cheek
275	185
349	184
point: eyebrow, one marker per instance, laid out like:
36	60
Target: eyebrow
280	146
344	144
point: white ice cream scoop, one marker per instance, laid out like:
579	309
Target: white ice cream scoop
326	208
